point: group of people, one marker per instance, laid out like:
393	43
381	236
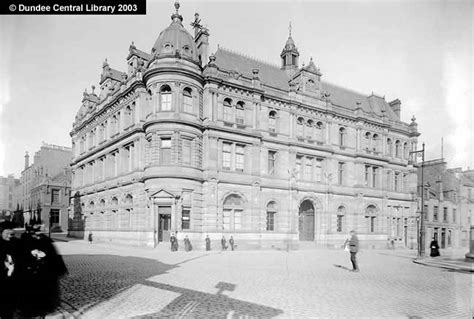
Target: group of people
30	272
174	245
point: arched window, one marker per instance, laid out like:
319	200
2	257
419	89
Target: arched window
129	115
240	113
367	140
272	121
101	132
310	129
405	150
319	131
398	149
102	202
370	216
341	212
187	101
114	124
129	199
165	98
232	212
299	127
342	136
114	201
91	205
389	150
271	211
228	111
375	143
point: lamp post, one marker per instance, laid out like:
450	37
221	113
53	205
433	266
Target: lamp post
421	246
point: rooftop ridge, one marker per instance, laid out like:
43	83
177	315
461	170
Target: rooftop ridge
347	89
274	65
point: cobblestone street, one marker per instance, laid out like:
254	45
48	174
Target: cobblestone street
108	281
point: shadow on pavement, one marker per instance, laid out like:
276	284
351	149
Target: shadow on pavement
196	304
94	279
342	267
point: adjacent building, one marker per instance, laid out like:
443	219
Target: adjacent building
7	192
224	144
448	204
45	187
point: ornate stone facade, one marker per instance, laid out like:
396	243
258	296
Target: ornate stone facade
270	154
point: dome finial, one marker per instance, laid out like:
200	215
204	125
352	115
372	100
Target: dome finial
289	29
176	17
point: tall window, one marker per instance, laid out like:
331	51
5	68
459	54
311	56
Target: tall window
445	214
240	113
319	131
129	114
54	216
55	196
272	121
342	136
299	160
239	158
370	215
185	218
425	212
435	213
375	174
367	141
271	211
341	211
389	150
398	149
226	155
271	162
405	150
308	169
228	111
375	143
340	173
186	155
397	181
165	98
310	129
165	151
114	125
318	170
299	127
232	212
454	215
187	101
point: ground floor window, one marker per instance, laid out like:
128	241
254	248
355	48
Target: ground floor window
185	218
54	217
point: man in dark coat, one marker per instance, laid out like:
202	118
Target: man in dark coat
174	242
208	243
224	243
231	242
434	248
353	244
9	269
39	275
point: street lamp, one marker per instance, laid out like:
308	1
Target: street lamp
421	246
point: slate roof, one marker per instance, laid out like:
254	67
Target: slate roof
273	76
140	54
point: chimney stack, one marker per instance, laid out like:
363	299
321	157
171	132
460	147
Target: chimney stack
27	160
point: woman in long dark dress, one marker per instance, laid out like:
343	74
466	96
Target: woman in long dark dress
434	248
208	243
9	269
41	269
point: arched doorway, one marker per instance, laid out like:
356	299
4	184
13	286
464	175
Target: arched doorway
306	221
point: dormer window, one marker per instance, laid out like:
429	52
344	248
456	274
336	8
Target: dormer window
165	98
168	47
187	50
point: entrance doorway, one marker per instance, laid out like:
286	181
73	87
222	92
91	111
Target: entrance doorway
306	221
164	223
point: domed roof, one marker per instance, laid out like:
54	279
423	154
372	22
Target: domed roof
175	38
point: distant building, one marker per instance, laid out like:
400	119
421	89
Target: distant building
45	186
448	204
225	144
7	191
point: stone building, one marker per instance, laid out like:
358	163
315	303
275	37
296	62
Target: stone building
225	144
448	204
7	188
45	187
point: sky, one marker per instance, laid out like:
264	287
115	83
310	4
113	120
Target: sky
420	52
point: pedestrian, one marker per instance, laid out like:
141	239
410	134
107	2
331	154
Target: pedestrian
9	269
392	242
223	243
174	242
353	244
187	244
39	274
90	237
434	248
231	242
208	243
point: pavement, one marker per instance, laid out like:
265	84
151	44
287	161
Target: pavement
112	281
